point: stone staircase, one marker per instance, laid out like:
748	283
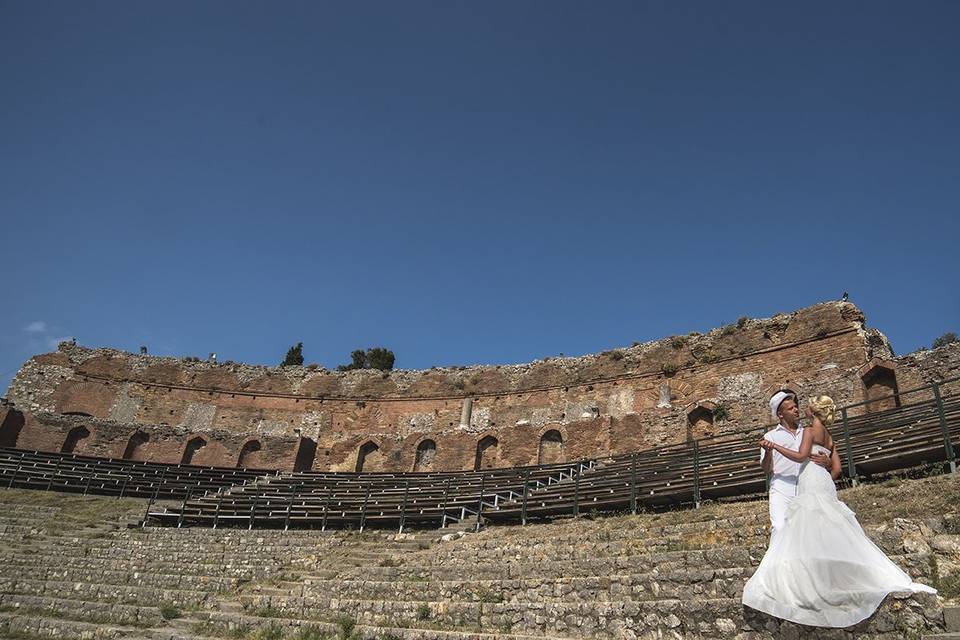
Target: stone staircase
65	572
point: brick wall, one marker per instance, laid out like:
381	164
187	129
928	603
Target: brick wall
650	394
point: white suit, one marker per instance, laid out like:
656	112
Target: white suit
783	481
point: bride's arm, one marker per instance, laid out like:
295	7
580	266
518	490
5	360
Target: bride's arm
806	445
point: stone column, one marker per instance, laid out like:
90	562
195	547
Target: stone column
466	412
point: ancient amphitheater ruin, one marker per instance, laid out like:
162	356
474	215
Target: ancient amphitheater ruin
604	496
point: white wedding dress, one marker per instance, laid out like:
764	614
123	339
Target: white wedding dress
821	569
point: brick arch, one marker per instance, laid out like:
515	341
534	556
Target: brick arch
10	429
426	452
87	398
700	420
190	450
550	446
879	379
136	445
249	454
487	452
369	456
306	454
74	440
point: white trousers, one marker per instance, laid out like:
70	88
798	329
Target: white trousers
778	512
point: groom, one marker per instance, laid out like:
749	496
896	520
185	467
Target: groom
783	472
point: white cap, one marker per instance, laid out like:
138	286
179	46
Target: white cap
777	400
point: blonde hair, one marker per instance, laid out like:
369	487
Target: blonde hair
823	408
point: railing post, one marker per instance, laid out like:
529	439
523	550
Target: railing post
947	443
363	509
633	484
848	447
326	508
576	496
483	481
123	487
286	517
403	505
523	504
56	470
183	508
156	492
253	513
696	474
446	496
216	513
13	478
153	498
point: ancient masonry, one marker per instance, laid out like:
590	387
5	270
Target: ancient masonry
105	402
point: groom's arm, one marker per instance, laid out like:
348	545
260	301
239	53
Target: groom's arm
836	468
766	460
831	463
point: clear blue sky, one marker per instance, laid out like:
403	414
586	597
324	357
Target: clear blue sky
482	182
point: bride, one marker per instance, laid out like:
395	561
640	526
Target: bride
822	570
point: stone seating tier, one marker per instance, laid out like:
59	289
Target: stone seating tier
65	573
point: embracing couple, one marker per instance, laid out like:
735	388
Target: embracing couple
820	568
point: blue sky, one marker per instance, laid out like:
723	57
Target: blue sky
484	182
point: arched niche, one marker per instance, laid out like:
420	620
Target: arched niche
306	454
880	385
190	451
135	446
551	447
11	428
247	457
367	456
487	453
426	452
699	422
75	438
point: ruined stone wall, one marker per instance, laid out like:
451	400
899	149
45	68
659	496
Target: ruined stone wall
650	394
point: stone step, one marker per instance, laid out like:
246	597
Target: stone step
678	618
334	629
628	527
107	593
490	546
535	567
33	626
702	582
82	610
13	567
139	578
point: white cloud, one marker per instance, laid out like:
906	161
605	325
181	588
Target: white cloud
37	326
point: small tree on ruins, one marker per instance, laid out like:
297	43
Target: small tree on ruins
373	358
948	338
294	356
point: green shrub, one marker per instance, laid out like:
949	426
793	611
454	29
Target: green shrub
742	322
721	412
423	611
669	368
311	633
948	338
169	612
373	358
269	632
347	625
